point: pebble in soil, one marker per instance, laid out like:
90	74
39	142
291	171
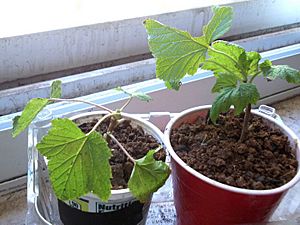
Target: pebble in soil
264	161
134	140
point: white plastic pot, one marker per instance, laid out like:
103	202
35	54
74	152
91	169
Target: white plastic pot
120	200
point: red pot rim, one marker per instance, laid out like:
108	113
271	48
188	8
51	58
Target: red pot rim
193	172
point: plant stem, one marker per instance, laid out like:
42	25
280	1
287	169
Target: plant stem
245	123
82	101
126	104
255	75
99	122
121	147
158	148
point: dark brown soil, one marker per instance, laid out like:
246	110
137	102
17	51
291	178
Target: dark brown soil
135	141
264	161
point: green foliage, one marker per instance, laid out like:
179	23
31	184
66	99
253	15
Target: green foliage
224	80
219	62
148	176
219	24
253	59
239	97
265	66
135	94
56	89
283	72
177	53
33	107
78	163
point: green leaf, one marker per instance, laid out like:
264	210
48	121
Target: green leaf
137	94
283	72
56	89
239	97
33	107
15	124
243	62
173	85
253	59
148	176
219	24
224	80
219	63
265	66
141	96
177	53
78	163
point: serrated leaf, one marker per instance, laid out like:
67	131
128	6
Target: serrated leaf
219	24
33	107
148	176
177	53
283	72
78	163
253	59
265	66
137	94
56	89
239	97
224	80
219	63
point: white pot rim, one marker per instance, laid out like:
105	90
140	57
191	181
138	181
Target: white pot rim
224	186
149	126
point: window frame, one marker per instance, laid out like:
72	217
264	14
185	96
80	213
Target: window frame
194	91
13	161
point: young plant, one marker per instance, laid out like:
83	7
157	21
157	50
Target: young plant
78	163
177	53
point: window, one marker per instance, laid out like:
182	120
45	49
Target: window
43	38
65	48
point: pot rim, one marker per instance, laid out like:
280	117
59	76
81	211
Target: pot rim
149	126
225	186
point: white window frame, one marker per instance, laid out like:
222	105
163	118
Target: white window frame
194	91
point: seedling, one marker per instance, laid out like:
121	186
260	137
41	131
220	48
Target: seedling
78	163
177	53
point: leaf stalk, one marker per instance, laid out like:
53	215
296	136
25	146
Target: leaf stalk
121	147
126	104
82	101
255	75
99	122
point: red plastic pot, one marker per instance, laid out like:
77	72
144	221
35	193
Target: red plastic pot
202	201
